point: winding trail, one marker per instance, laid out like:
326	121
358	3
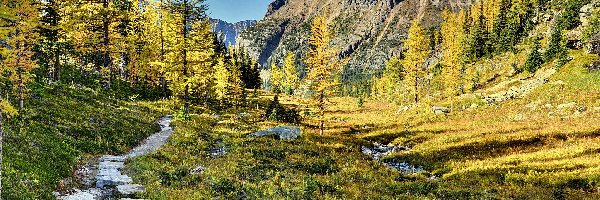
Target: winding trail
110	182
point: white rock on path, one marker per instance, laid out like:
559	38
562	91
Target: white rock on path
130	189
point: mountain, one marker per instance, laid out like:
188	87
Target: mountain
367	32
231	31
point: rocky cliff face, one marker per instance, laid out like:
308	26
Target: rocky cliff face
230	31
367	32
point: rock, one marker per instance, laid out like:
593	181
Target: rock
218	151
473	106
379	150
548	106
595	66
242	114
438	110
111	158
567	106
90	194
80	195
518	117
130	189
533	105
111	165
197	170
403	109
404	167
559	82
230	31
282	132
593	46
112	180
526	86
582	108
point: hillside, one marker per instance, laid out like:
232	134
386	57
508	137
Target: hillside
367	32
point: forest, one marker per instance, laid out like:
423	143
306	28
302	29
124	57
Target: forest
114	99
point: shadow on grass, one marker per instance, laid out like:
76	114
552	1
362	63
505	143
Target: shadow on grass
472	151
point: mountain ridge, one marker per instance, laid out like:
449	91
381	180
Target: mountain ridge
230	30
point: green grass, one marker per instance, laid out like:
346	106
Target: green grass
61	125
328	167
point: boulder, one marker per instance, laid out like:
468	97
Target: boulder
593	45
438	110
282	132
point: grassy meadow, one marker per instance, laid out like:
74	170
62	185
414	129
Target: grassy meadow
528	148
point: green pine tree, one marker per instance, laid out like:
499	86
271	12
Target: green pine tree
535	58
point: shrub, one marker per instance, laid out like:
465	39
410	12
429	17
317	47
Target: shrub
535	59
570	16
276	112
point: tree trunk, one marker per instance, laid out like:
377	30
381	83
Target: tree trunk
322	112
162	51
20	83
185	73
50	74
57	68
451	103
163	85
416	89
1	137
106	63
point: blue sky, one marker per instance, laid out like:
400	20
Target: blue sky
237	10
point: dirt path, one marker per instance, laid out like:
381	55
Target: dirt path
110	182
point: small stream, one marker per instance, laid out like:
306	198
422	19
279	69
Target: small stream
380	150
104	180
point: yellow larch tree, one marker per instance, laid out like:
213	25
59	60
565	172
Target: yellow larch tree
417	51
222	84
277	78
452	46
191	51
323	65
389	84
21	17
291	75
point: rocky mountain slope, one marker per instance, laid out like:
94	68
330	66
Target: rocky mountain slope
367	32
230	31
